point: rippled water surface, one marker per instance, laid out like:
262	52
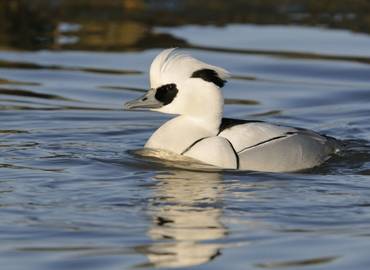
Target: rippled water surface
74	195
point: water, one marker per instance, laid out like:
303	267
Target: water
75	195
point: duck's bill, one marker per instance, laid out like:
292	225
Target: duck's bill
145	102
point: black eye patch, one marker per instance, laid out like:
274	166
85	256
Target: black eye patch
166	93
209	75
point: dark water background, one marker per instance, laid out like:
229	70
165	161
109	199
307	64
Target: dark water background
74	196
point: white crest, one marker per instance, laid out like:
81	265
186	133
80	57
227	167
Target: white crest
172	67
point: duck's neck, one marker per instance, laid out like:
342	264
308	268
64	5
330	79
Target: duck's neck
201	116
205	111
179	133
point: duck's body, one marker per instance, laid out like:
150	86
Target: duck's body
244	145
201	133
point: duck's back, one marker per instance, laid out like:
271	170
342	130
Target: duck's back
262	146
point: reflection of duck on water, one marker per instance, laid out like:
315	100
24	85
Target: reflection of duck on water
186	211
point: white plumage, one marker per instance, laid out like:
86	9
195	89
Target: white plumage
171	66
189	88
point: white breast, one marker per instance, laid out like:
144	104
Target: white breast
216	151
177	134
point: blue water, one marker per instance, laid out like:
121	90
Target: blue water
73	194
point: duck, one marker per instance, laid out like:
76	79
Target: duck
191	90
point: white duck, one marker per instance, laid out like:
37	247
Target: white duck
191	89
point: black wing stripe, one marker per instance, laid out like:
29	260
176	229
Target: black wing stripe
229	123
191	146
236	154
263	142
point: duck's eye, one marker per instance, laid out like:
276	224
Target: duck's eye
166	93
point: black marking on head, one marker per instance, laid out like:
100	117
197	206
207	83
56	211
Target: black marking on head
166	93
209	75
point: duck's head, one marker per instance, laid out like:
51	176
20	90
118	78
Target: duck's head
181	84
